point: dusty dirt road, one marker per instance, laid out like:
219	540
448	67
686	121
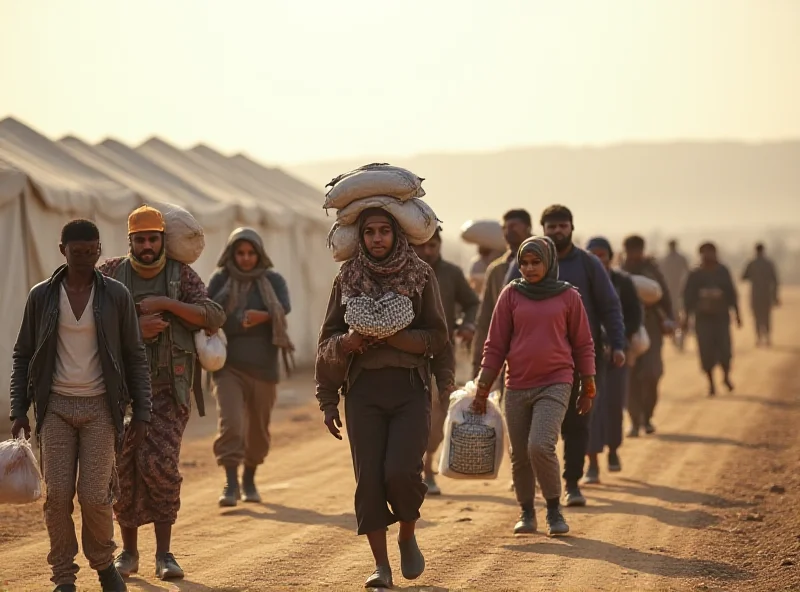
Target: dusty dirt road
711	502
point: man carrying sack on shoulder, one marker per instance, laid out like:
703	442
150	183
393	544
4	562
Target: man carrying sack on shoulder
172	304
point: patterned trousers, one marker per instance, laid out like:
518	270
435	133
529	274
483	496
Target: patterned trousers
534	418
78	438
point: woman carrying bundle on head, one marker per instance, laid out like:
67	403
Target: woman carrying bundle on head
256	300
540	330
384	324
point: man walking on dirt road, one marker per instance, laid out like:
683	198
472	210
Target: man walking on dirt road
79	357
172	303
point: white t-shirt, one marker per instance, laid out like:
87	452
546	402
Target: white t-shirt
78	371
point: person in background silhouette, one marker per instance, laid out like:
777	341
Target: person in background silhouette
709	297
763	278
675	268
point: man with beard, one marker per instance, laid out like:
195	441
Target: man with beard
79	358
516	228
763	278
659	320
612	406
455	292
709	296
604	310
172	304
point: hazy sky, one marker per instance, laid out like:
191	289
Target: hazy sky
293	80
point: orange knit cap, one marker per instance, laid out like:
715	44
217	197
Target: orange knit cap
145	219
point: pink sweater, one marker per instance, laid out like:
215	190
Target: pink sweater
541	341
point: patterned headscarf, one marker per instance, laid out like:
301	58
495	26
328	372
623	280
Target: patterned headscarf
549	286
401	271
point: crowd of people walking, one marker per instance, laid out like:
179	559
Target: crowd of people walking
107	356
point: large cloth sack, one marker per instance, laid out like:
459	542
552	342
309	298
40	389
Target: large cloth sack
370	180
648	290
484	233
473	445
415	217
184	236
640	343
343	241
20	479
212	350
379	318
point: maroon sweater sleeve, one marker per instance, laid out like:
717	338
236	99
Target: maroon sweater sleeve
580	336
501	329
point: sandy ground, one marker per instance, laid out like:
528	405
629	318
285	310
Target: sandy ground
711	502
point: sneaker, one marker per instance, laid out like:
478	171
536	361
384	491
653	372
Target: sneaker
249	492
614	465
592	476
127	563
110	580
556	525
526	523
649	428
574	498
412	562
380	578
230	495
433	488
65	588
633	432
167	568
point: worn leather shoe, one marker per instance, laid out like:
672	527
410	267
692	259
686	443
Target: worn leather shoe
380	578
574	497
556	525
412	562
111	581
167	568
249	492
230	493
127	564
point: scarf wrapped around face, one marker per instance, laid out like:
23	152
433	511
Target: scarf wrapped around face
401	271
149	270
549	286
233	295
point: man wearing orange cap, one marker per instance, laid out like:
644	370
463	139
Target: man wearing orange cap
172	304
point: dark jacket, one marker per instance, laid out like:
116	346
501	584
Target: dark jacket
122	354
632	313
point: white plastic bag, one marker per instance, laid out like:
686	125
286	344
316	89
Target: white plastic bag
370	180
648	290
474	445
415	217
20	479
640	343
484	233
212	350
343	241
183	234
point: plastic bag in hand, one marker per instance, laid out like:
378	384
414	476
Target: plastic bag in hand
20	479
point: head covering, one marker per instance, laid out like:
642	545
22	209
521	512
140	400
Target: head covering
233	296
549	286
145	219
600	242
401	271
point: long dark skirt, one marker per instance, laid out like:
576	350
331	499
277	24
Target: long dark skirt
598	417
388	417
713	340
617	382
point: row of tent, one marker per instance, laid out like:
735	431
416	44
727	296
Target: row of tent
44	184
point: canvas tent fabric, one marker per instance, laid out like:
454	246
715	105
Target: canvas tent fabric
157	186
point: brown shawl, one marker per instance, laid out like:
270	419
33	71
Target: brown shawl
233	295
401	272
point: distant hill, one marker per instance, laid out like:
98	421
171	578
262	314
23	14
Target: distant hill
662	188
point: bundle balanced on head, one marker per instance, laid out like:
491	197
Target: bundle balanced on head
384	333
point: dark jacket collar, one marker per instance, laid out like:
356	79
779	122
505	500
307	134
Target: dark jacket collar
58	276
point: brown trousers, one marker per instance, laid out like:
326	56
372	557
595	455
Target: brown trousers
78	438
244	407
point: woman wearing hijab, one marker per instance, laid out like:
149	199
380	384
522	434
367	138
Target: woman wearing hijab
540	330
256	300
386	387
